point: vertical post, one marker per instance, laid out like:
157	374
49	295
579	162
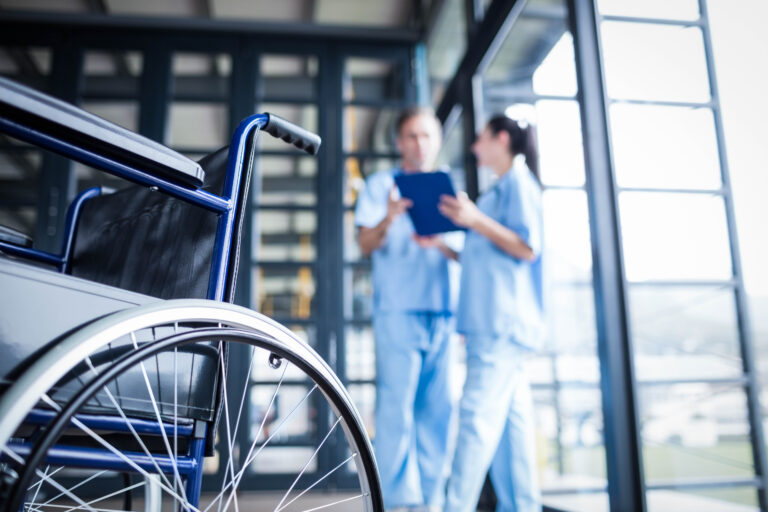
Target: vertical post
245	68
760	459
621	426
155	94
471	99
330	222
57	182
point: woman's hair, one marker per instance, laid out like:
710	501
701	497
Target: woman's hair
522	140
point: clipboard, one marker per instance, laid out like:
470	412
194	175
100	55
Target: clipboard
424	190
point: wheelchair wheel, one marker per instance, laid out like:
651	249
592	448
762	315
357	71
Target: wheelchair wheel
133	394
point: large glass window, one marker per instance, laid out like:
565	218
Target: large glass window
738	42
675	231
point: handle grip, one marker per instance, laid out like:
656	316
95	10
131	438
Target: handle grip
289	132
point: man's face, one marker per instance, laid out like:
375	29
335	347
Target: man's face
418	143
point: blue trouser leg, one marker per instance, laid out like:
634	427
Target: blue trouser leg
412	362
513	470
489	418
433	413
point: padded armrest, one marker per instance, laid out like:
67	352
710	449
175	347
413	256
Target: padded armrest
33	109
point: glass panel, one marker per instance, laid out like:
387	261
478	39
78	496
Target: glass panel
661	9
697	430
201	75
360	353
556	75
19	173
664	147
284	459
286	180
288	76
372	80
567	235
369	129
364	397
301	115
729	499
445	47
570	423
451	155
674	236
570	351
357	170
198	125
654	62
351	249
289	397
561	156
28	65
123	113
112	73
112	63
285	292
358	296
684	333
284	235
536	57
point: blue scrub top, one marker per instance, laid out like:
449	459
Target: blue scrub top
502	296
406	277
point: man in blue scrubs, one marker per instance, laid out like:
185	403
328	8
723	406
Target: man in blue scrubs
411	323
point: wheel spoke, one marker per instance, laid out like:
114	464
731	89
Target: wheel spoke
96	475
339	465
230	438
118	453
314	454
176	476
135	434
359	496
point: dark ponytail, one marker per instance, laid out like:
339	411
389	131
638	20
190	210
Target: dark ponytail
522	140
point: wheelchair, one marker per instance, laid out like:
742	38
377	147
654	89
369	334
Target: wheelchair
114	381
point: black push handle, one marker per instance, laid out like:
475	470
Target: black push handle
289	132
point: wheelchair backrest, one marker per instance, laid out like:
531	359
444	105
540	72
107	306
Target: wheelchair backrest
145	241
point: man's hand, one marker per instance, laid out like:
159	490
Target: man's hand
427	241
395	207
460	209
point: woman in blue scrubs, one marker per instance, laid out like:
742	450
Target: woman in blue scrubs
500	314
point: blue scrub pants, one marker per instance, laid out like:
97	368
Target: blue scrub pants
496	430
413	406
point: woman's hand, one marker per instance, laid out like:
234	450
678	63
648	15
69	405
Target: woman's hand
460	209
437	242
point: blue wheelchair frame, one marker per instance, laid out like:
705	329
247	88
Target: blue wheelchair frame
225	206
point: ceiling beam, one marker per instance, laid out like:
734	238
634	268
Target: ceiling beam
18	24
